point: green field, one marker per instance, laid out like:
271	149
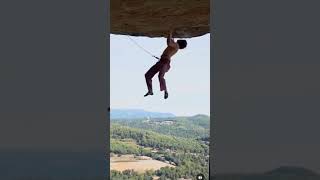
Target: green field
179	145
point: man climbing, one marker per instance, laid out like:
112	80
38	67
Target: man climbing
163	65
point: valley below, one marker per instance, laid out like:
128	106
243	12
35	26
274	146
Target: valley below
159	148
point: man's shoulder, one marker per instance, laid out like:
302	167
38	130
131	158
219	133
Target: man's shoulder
175	45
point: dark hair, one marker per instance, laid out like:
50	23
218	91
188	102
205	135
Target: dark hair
182	43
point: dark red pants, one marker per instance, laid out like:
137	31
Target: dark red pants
162	67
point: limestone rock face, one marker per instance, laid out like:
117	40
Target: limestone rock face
154	18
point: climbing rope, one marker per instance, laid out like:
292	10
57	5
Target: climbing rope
143	48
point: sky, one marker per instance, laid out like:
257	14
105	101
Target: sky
188	80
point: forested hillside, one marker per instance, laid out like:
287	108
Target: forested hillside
180	141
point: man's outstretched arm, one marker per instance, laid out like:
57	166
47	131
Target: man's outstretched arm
170	40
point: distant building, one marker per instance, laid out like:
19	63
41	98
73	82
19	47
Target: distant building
144	158
167	122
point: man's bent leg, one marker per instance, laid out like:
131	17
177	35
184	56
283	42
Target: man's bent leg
149	75
162	81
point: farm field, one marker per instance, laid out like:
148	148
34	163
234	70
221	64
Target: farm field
167	148
136	164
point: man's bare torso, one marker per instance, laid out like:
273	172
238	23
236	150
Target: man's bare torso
171	50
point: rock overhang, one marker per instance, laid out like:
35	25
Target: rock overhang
154	18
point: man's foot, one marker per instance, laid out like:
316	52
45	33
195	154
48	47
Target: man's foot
148	93
166	95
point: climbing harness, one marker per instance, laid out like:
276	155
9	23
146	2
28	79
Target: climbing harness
143	48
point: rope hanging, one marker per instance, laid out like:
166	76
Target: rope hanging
143	48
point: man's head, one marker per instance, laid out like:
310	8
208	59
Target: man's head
182	44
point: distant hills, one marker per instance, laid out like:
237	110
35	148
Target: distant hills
195	127
137	113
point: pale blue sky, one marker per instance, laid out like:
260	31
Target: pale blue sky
188	80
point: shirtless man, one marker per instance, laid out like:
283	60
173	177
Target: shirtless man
163	65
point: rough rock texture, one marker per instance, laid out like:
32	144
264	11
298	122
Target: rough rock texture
154	18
